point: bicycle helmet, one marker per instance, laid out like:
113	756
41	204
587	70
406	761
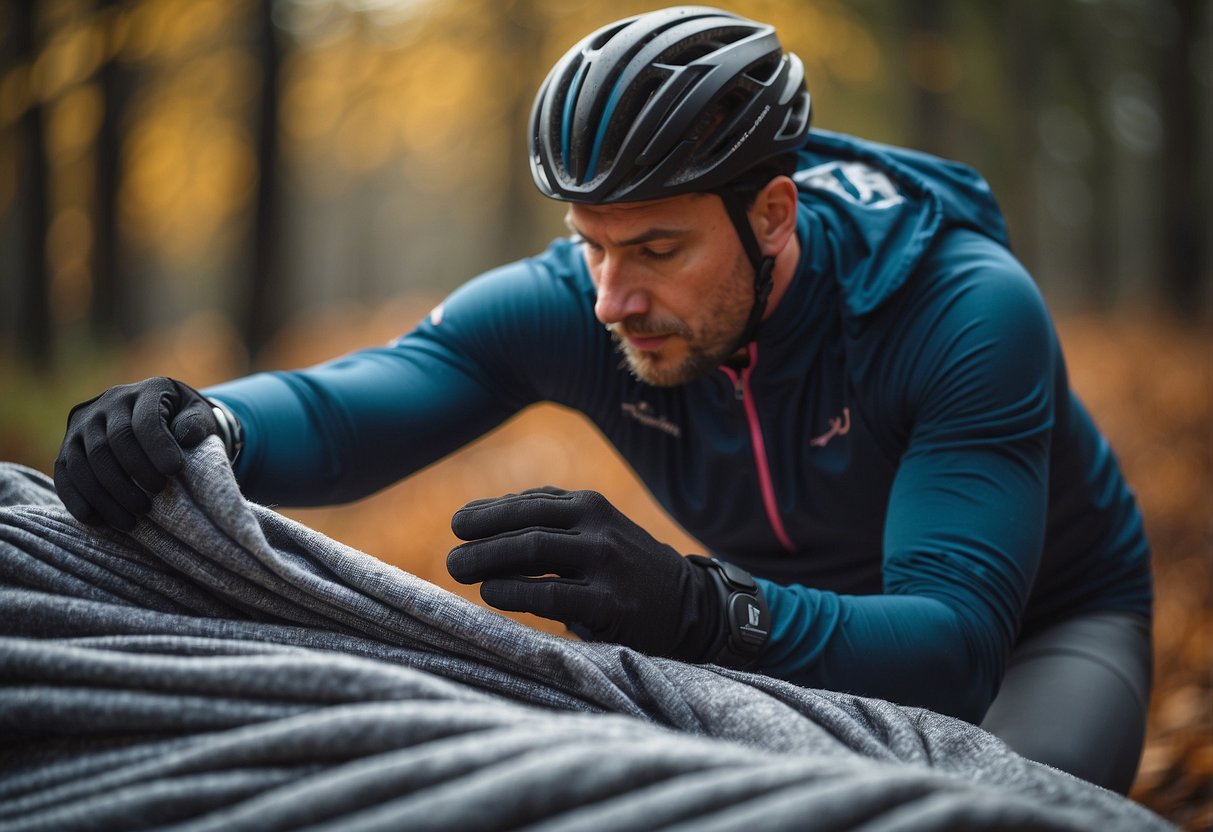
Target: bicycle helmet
681	100
665	103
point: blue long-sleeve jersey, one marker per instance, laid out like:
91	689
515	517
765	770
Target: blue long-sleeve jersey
902	463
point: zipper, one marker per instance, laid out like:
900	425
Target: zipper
741	391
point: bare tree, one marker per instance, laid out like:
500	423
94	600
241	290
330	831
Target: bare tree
1185	251
1092	65
1022	60
521	36
926	21
111	311
34	322
263	312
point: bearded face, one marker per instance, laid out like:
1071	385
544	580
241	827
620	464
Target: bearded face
674	286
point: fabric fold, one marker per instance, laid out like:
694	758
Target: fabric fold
224	667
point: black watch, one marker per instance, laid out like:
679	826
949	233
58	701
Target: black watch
747	619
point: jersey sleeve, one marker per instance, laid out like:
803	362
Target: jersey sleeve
348	427
970	374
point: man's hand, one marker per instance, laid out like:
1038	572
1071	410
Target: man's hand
121	446
573	557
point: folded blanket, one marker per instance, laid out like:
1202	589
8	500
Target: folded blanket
223	667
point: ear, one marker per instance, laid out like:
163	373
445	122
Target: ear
773	215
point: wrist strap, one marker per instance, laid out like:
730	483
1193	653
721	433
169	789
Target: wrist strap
230	430
746	617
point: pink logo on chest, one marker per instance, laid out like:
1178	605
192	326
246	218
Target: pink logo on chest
839	426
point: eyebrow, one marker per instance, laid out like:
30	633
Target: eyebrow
640	239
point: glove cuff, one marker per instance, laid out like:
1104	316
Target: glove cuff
745	617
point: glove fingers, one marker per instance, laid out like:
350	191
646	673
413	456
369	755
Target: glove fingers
193	424
83	478
531	552
552	598
549	508
73	500
133	459
543	489
115	483
148	419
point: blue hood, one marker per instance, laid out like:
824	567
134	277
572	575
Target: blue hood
881	207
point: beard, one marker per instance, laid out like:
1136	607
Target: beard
693	349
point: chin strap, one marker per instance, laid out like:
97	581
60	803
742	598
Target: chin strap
734	204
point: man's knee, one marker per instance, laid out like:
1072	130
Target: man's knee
1075	698
1110	762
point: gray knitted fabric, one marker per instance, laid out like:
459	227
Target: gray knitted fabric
224	668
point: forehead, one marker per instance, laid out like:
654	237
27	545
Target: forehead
685	211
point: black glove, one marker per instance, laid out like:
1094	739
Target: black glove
121	446
574	558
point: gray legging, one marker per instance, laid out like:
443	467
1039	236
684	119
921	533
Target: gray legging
1075	697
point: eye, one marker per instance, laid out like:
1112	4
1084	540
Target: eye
654	254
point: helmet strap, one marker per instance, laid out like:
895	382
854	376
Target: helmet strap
735	205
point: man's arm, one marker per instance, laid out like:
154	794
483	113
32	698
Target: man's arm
344	429
975	374
340	430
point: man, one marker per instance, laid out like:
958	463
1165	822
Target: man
835	375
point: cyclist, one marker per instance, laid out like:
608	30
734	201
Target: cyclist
834	374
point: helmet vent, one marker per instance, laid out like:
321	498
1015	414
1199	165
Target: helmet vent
669	102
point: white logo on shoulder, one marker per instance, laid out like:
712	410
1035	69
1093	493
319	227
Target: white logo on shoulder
643	413
855	182
436	314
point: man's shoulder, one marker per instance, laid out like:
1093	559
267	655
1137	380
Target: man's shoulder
552	282
523	321
963	279
883	210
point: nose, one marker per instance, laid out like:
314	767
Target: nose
619	296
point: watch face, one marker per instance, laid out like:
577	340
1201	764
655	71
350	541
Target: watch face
736	576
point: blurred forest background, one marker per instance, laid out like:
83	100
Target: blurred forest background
201	188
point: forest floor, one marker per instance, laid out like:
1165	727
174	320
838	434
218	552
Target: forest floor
1147	381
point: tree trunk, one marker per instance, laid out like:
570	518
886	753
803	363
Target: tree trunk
522	40
263	302
1093	67
112	315
1022	59
34	324
1184	249
925	21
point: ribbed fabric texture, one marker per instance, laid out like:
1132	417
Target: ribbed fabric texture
225	668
